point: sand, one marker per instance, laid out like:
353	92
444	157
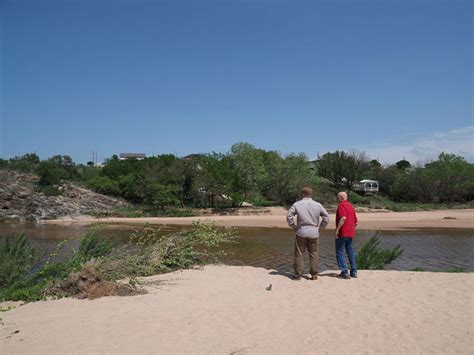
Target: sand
227	309
439	219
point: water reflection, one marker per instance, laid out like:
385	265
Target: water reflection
272	248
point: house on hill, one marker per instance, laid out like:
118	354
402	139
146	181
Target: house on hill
137	156
367	187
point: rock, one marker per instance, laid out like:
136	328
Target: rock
22	195
7	196
21	200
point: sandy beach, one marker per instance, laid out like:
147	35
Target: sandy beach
226	309
454	218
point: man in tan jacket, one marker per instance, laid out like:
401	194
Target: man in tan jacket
307	226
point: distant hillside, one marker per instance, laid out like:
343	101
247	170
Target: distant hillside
20	200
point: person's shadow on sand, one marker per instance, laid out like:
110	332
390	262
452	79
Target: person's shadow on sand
291	276
281	273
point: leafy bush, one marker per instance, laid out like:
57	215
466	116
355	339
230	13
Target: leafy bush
371	257
50	174
104	185
152	251
3	163
51	190
92	247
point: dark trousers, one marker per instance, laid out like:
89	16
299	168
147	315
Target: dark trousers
341	244
301	244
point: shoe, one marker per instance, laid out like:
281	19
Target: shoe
354	275
297	278
344	275
314	277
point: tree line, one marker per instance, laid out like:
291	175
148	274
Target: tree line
253	175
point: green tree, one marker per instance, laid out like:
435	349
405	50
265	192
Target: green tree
403	165
341	168
25	163
50	174
214	178
451	177
297	173
159	196
249	171
3	163
274	186
104	185
114	168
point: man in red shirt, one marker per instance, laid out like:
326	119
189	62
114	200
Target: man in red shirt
346	222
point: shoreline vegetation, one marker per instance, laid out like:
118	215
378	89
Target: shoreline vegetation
99	267
167	185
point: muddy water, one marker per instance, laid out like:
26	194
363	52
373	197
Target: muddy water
272	248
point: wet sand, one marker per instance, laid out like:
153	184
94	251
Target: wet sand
227	309
455	218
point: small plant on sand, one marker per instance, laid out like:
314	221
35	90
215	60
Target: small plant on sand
371	257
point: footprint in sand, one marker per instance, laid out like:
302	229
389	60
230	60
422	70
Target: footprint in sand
311	339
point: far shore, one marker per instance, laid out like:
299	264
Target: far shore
275	218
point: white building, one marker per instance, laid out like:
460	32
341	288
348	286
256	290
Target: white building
367	186
137	156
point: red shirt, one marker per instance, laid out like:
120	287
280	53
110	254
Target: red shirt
345	209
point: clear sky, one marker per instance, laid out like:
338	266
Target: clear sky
389	77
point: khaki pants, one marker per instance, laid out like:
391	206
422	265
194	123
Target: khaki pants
301	244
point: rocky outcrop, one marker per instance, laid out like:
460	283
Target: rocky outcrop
20	200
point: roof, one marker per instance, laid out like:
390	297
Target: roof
367	180
192	156
132	155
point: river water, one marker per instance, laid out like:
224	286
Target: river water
272	248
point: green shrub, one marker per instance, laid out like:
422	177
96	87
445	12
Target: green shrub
51	190
92	246
17	257
50	173
20	280
3	163
371	257
104	185
152	251
357	199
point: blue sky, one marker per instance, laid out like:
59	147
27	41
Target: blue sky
389	77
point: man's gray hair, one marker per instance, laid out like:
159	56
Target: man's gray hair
342	195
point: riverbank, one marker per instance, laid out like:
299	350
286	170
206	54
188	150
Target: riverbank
387	220
225	309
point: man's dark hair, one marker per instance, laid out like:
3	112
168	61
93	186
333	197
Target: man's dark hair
307	192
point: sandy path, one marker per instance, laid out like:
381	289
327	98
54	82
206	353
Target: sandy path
225	309
369	220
